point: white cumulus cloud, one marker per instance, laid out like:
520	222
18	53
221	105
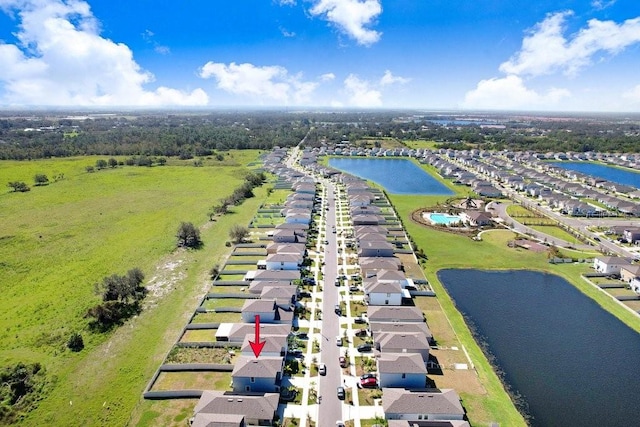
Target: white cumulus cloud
61	59
327	77
388	79
360	92
351	17
510	92
267	83
546	50
368	93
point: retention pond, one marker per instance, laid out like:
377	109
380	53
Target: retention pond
397	176
566	361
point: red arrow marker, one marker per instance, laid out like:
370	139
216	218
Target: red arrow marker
256	345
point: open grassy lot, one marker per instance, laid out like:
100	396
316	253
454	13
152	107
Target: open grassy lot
199	335
212	317
421	144
193	381
555	231
213	303
58	240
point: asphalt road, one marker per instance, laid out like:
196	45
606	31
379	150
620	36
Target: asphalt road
330	406
580	224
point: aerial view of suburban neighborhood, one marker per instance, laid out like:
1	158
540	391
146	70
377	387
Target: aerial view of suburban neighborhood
387	269
319	213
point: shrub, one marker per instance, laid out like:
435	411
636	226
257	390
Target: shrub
75	343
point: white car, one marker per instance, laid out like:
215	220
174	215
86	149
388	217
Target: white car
339	341
322	369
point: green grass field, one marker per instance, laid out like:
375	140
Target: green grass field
421	144
56	241
555	231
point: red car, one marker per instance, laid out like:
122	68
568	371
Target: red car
369	383
343	361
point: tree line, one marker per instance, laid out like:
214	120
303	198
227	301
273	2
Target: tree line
184	136
192	135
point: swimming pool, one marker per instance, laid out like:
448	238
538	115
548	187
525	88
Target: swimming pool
441	218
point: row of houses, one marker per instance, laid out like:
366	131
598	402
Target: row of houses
401	336
540	181
525	172
256	382
620	267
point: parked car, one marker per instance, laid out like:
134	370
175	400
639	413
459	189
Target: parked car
339	341
359	319
364	348
337	309
341	393
322	369
354	288
343	361
369	383
367	375
339	423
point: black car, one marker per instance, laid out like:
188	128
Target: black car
364	348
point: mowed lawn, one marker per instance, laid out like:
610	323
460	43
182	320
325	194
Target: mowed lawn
56	241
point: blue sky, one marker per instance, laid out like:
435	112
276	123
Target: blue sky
561	55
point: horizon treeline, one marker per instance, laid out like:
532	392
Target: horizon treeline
24	136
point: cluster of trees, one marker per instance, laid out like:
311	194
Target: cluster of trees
39	179
188	236
185	135
245	191
19	186
131	161
21	387
121	298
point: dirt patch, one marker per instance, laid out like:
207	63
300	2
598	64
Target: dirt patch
165	277
530	245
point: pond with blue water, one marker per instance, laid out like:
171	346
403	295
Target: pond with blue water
571	362
610	173
397	176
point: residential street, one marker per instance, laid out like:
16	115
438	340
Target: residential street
330	407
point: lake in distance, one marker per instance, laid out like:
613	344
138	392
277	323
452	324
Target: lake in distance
610	173
397	176
571	362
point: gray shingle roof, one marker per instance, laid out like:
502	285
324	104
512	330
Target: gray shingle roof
402	401
395	363
260	406
264	367
394	314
